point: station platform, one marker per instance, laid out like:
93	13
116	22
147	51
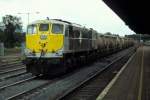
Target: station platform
133	81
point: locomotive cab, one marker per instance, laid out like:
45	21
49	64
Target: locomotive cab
44	40
44	44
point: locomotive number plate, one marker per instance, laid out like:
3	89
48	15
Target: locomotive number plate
43	37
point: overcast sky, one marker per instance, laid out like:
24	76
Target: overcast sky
90	13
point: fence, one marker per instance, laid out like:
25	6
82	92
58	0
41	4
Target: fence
5	51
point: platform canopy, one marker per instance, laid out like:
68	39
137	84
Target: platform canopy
135	13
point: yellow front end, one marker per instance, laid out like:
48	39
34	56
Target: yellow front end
46	40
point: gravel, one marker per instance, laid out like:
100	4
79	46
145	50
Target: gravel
15	79
52	91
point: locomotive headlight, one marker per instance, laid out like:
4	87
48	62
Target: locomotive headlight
28	51
43	37
59	53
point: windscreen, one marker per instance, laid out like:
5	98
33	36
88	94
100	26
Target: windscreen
57	28
44	27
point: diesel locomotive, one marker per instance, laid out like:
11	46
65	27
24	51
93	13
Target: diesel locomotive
56	45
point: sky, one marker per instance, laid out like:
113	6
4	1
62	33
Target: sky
90	13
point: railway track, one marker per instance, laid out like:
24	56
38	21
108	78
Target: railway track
7	76
13	80
12	70
14	77
23	93
92	86
19	87
16	83
10	65
47	88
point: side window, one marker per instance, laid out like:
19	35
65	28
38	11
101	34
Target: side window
84	33
71	31
57	28
31	29
76	33
90	34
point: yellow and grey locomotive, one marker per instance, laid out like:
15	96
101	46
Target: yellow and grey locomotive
54	45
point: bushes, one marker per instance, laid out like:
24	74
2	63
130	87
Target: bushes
11	36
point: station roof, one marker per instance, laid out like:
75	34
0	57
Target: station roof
135	13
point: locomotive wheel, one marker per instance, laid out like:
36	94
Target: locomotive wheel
64	66
69	64
35	71
32	69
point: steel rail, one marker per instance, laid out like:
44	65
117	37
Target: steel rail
9	63
24	92
14	75
72	89
19	82
7	71
92	77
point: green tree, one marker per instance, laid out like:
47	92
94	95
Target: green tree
13	25
2	37
108	33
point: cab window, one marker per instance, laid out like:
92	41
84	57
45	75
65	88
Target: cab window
31	29
57	28
44	27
